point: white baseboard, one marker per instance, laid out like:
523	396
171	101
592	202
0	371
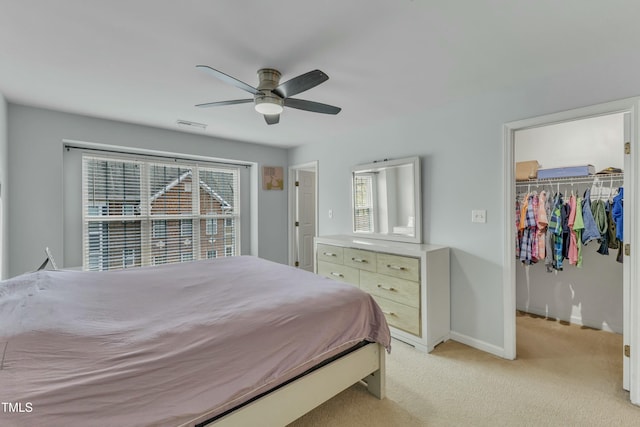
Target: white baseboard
576	320
480	345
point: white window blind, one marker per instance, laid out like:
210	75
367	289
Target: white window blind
363	203
137	212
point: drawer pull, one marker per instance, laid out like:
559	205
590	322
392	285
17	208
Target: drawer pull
396	267
364	261
329	254
387	289
389	313
333	273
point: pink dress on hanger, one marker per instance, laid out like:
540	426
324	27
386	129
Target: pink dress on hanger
543	221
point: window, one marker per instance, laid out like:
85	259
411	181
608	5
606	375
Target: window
95	238
128	210
159	259
159	229
137	212
212	227
363	203
186	227
128	258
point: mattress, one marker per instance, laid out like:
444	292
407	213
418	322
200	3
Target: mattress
162	345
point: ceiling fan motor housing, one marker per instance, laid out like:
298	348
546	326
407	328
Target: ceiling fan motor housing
268	78
267	102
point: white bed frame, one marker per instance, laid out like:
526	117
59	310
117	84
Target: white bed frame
290	402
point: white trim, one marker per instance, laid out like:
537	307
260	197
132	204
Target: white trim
480	345
112	150
631	105
417	202
312	167
509	271
156	224
575	320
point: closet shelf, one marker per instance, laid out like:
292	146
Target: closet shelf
613	178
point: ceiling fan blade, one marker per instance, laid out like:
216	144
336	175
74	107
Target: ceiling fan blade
272	119
228	79
301	83
230	102
315	107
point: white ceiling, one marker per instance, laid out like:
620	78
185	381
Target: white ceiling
134	60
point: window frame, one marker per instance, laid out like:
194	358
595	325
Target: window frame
365	199
154	226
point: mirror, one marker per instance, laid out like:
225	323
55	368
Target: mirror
386	200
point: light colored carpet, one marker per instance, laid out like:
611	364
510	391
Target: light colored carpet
564	375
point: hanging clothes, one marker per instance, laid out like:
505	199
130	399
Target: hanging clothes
617	213
611	232
578	227
533	204
523	213
543	222
528	225
518	231
590	229
599	210
573	245
566	231
555	229
548	240
552	229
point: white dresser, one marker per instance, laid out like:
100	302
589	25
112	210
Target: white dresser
409	281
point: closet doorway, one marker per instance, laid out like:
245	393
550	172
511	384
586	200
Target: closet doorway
573	295
303	214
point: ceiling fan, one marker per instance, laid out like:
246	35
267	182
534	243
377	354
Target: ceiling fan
271	96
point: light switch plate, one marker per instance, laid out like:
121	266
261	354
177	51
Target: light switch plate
479	215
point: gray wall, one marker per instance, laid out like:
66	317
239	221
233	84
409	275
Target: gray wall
37	170
461	147
4	173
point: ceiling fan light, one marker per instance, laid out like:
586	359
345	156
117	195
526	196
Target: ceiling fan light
268	105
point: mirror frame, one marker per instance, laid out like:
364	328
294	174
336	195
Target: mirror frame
417	199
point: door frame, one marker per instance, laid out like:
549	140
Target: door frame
292	201
632	304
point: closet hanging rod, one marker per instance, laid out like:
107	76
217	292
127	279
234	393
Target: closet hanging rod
616	178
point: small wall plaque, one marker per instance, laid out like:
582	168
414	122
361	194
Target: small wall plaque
272	178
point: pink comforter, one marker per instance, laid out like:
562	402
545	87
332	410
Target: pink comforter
162	345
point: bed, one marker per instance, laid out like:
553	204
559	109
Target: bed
230	341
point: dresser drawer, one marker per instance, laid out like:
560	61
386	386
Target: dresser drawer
400	316
359	258
329	253
399	290
399	266
339	272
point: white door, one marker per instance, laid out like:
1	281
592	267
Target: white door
305	218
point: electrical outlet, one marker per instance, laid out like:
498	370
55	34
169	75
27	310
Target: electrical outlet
479	215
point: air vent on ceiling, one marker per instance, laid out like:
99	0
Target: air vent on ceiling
187	123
